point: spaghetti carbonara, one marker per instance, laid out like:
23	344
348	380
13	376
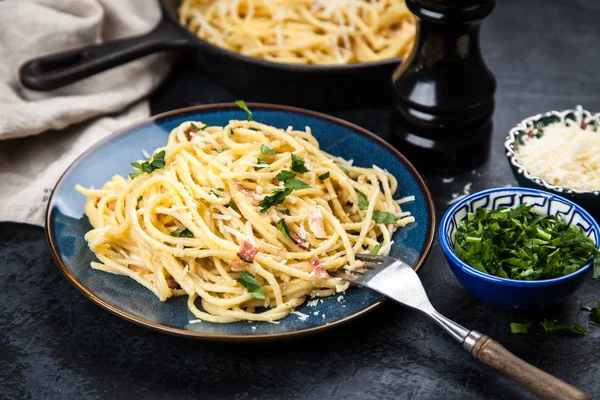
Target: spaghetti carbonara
304	31
248	218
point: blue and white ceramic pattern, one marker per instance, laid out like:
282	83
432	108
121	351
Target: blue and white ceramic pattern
67	225
509	293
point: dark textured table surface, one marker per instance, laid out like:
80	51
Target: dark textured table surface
54	343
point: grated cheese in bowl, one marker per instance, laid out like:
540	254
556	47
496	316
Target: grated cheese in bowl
566	155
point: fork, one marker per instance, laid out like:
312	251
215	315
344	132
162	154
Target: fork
395	279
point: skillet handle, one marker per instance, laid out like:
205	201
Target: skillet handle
59	69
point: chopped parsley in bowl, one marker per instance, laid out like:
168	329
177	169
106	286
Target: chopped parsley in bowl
519	247
517	243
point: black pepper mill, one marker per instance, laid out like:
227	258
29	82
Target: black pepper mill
444	91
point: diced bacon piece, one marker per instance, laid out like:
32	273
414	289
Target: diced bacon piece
249	193
172	284
299	241
318	268
189	130
236	266
247	252
315	222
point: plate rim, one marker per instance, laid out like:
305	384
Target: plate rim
52	246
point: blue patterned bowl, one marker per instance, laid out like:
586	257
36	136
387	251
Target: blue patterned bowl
509	293
66	223
533	127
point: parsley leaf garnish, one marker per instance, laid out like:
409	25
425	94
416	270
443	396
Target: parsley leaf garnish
184	233
516	243
285	212
266	150
375	250
595	313
384	217
516	327
550	326
194	128
230	133
363	203
261	161
298	164
295	184
283	228
242	104
285	175
344	170
249	281
234	206
214	193
157	161
278	197
140	198
324	176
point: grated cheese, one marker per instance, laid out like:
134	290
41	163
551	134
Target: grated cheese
301	316
566	155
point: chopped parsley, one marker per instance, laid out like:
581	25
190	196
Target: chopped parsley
344	170
157	161
242	104
140	198
285	175
363	203
295	184
214	193
298	164
285	212
194	128
516	243
516	327
283	228
324	176
231	132
384	217
550	326
266	150
261	161
278	197
182	233
595	313
375	250
249	281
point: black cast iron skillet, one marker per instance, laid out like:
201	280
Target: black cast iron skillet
312	86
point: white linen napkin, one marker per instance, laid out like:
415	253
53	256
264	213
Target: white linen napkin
30	165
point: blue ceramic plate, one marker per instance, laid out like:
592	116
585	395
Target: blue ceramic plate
67	224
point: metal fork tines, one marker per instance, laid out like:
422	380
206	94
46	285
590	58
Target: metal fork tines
397	280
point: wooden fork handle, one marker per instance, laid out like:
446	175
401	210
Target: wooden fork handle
538	382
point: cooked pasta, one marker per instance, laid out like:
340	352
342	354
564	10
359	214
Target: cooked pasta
304	31
246	219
